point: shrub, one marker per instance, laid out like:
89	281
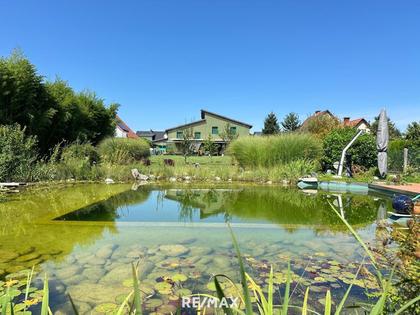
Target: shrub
80	151
274	150
123	150
321	125
18	153
363	149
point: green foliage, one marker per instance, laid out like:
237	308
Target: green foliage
394	133
291	122
186	144
82	151
363	150
274	150
18	153
412	135
52	111
227	134
210	147
123	150
321	125
271	125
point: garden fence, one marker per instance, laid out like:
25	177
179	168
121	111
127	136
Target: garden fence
396	159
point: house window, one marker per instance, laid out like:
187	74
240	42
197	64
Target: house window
197	135
233	130
179	135
214	130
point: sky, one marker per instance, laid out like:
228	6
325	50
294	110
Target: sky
163	61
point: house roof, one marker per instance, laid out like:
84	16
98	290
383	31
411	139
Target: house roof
124	127
356	122
145	133
204	112
156	135
187	125
203	120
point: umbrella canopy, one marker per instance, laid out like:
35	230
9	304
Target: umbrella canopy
382	139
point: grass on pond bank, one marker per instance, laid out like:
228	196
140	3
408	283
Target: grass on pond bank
197	168
214	168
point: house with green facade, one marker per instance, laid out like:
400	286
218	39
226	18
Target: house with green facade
218	128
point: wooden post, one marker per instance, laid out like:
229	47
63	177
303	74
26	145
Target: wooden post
405	160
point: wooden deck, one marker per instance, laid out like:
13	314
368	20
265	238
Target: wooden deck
412	189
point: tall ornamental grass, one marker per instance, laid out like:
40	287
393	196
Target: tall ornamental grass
269	151
123	150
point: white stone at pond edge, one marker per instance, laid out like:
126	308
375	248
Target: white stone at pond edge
137	176
109	181
217	178
269	182
172	179
187	177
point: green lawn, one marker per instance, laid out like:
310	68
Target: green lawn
203	160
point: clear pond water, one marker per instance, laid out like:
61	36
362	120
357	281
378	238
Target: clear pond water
84	237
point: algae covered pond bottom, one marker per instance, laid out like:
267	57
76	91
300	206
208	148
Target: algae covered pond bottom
85	237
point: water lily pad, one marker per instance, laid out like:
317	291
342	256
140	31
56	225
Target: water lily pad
28	257
119	299
106	308
153	303
6	256
183	292
320	279
347	274
128	283
167	309
322	301
179	277
14	292
163	287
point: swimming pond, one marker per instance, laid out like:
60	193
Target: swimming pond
85	237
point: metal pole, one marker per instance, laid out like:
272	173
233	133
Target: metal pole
343	154
405	160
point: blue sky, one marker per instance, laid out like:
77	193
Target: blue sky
165	60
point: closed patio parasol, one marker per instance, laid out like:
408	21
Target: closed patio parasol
382	139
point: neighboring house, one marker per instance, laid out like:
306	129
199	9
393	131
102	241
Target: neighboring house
359	123
258	133
151	135
210	125
156	138
123	131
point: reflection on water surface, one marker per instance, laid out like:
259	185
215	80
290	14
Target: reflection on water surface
85	238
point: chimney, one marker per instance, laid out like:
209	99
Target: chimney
317	112
346	121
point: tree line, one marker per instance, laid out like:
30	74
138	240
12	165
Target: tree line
322	125
51	111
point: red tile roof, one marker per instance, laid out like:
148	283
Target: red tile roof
355	122
124	127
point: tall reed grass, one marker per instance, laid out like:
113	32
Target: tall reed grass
123	150
275	150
